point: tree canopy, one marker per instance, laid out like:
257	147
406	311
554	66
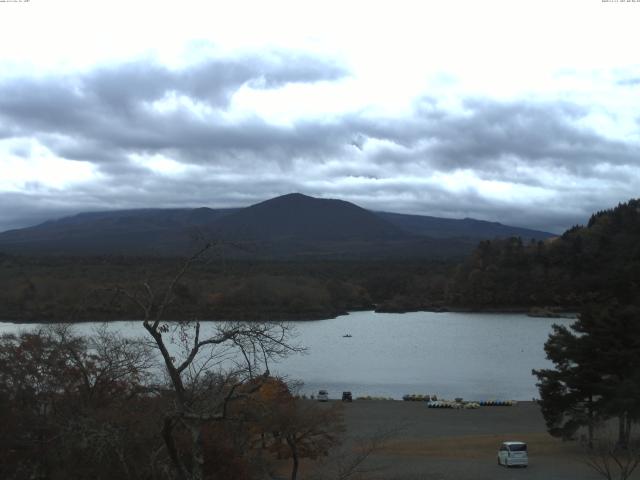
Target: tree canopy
595	263
597	371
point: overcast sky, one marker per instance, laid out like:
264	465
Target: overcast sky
522	112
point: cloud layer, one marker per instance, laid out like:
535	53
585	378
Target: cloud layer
140	134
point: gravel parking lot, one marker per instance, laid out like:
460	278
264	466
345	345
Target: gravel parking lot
445	444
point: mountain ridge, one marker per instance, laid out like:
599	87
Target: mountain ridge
302	217
302	223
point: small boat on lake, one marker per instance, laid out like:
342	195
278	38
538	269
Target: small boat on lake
348	335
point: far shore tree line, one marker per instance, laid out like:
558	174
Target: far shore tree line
48	289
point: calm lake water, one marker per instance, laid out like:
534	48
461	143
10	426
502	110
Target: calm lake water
469	355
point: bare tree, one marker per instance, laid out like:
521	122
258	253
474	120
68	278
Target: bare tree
207	372
351	461
65	403
612	460
302	429
106	361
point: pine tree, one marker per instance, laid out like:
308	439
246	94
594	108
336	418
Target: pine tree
596	374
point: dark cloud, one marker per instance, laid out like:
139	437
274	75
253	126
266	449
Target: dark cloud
112	108
107	117
490	135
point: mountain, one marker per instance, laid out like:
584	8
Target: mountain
126	232
465	228
292	225
297	216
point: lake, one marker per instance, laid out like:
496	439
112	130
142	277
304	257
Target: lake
471	355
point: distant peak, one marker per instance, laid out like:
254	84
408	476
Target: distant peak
290	198
294	196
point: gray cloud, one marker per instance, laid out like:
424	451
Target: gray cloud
490	134
111	108
106	115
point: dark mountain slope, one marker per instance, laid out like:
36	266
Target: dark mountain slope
297	216
129	232
454	228
291	226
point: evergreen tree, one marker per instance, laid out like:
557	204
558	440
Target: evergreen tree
568	393
613	334
596	374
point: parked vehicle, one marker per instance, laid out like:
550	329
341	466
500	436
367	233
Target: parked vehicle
323	396
347	397
512	454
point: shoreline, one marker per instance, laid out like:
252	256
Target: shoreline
533	312
530	312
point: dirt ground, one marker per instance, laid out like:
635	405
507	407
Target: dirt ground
444	444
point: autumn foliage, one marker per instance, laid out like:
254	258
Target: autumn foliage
88	407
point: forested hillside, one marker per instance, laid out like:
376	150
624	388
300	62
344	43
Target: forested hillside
77	289
587	263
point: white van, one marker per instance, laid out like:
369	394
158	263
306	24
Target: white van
323	396
513	454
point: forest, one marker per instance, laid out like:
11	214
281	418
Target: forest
36	289
592	263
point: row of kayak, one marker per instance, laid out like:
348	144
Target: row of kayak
455	405
369	397
419	398
434	403
497	403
